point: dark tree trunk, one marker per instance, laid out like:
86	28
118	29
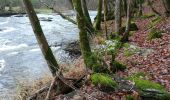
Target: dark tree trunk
99	15
140	8
84	42
89	25
105	14
167	7
85	11
126	34
43	44
117	16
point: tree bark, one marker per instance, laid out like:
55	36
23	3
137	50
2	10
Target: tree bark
126	34
42	42
117	16
89	25
99	14
140	8
125	7
167	7
85	11
84	42
105	14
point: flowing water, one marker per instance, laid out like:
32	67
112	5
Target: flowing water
20	56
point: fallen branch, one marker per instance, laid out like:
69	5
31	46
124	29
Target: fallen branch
34	96
50	88
59	13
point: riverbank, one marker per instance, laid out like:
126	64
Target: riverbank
146	60
17	11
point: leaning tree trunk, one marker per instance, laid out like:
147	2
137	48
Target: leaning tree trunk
89	25
42	42
99	15
84	42
126	34
117	16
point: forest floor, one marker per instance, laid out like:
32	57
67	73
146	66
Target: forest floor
157	62
152	59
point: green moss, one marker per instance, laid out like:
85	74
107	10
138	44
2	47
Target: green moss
154	22
154	33
149	90
103	80
118	66
139	75
142	84
131	33
129	97
148	15
129	51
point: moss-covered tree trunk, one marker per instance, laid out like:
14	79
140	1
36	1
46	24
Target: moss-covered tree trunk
117	16
99	15
84	42
42	42
89	25
85	11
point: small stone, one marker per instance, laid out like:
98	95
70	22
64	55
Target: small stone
165	71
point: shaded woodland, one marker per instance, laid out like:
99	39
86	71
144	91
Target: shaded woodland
124	51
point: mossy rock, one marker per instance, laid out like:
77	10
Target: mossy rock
154	33
103	81
95	62
149	90
117	66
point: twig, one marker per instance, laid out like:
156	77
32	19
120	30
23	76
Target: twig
51	87
58	12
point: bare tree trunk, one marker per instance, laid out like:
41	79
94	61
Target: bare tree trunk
126	34
43	44
117	16
125	6
140	8
71	3
105	14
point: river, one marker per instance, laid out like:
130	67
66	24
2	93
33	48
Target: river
20	56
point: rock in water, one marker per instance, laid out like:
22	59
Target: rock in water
73	49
